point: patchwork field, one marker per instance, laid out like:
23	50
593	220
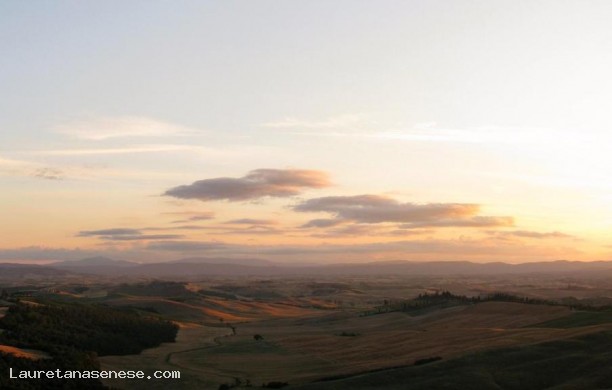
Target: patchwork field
352	333
339	344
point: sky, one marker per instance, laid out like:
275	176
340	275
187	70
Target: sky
306	131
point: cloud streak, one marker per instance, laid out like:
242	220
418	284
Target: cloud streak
120	150
532	234
192	216
125	234
252	221
100	129
256	184
334	122
29	168
475	222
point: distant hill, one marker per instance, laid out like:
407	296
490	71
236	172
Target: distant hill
200	266
20	271
468	268
225	260
94	262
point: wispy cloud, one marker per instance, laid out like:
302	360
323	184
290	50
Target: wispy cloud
471	135
253	230
322	223
367	230
191	216
367	128
252	221
142	237
11	164
48	173
98	129
475	222
14	167
334	122
120	150
532	234
256	184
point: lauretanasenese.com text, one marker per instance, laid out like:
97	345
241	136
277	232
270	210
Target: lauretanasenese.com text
91	374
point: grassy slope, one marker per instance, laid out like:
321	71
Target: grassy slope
300	350
579	363
578	319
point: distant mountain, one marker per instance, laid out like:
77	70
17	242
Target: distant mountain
199	266
226	260
24	271
94	262
203	269
468	268
190	267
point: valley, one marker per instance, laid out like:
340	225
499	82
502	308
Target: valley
334	331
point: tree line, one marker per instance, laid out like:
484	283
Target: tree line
74	335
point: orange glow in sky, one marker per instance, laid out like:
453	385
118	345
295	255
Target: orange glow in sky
306	131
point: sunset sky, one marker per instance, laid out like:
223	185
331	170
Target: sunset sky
306	131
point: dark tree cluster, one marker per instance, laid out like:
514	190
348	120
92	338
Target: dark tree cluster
53	327
443	299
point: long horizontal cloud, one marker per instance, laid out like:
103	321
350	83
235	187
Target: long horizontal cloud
532	234
367	230
382	209
252	221
124	234
143	237
470	222
108	232
256	184
426	249
98	129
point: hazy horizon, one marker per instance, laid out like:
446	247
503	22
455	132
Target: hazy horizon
306	132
